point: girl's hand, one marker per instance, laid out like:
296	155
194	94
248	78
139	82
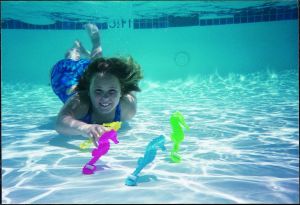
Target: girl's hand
93	131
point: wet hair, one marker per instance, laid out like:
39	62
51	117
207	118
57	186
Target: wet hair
125	69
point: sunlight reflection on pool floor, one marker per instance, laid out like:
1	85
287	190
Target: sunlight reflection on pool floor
242	146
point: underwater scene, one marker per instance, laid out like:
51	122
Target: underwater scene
217	117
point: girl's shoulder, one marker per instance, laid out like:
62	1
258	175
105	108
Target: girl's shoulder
77	105
128	106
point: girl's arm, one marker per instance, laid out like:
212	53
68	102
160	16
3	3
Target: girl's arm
67	123
129	105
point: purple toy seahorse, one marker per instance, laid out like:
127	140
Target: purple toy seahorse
102	149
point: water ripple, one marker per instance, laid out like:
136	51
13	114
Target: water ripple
242	147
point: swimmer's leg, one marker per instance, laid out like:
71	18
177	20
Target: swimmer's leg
82	50
93	32
76	51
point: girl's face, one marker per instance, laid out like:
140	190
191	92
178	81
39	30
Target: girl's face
105	92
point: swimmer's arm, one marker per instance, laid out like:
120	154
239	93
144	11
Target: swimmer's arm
67	123
129	105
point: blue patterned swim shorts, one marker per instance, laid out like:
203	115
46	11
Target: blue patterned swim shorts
66	73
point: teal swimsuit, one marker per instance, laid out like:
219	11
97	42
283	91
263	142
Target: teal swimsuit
88	117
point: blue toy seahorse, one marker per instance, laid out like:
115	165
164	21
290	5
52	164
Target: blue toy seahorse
177	135
150	153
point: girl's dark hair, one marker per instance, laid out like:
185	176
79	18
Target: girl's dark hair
125	69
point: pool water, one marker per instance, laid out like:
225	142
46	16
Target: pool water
242	146
236	84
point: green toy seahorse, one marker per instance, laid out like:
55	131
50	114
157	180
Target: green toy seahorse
177	123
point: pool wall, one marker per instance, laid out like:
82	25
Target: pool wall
164	54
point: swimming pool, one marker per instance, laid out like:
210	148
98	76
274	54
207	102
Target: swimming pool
235	83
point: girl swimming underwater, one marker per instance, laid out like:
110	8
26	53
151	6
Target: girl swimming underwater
95	90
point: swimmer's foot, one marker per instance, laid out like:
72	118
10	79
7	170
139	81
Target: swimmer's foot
93	32
76	51
73	54
81	49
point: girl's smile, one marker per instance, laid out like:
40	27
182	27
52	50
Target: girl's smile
105	92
